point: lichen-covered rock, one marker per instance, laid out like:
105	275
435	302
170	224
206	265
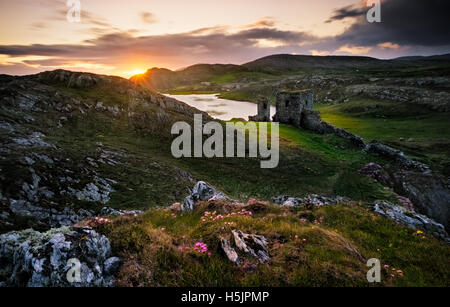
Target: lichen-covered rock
229	251
430	195
201	191
106	211
32	259
254	245
411	219
309	200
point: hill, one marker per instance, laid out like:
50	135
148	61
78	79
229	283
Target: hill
86	169
276	67
163	79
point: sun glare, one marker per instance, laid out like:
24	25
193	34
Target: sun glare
134	72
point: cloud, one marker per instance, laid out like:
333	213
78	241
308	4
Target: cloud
215	44
406	28
355	10
403	22
389	45
148	17
356	50
263	22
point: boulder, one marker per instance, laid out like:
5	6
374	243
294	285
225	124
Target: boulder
202	191
430	195
311	199
411	219
254	245
32	259
229	251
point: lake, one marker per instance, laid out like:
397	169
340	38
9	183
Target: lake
223	109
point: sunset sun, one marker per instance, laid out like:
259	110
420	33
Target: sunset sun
134	72
224	152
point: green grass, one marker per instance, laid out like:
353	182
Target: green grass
334	252
150	178
240	77
411	128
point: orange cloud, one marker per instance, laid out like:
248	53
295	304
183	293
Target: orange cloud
389	45
354	49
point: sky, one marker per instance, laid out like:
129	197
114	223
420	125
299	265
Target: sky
128	37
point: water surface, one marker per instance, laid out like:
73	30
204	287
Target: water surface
223	109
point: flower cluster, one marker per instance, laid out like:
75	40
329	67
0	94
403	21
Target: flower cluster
213	216
97	221
173	215
392	272
406	203
201	248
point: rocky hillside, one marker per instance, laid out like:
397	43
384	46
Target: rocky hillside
86	173
54	167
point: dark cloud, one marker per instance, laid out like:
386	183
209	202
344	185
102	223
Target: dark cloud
347	12
405	22
215	42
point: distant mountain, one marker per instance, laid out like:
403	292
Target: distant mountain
161	78
288	62
193	76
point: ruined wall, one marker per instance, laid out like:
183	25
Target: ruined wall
290	106
263	111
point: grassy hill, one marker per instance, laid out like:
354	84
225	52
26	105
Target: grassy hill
64	132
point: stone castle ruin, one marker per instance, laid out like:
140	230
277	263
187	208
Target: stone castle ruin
263	111
291	105
296	108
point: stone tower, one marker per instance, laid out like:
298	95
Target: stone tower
291	104
263	111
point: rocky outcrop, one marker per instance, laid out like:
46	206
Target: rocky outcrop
44	181
430	195
113	212
434	100
254	245
309	200
411	219
249	244
202	191
396	156
54	258
230	252
423	192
